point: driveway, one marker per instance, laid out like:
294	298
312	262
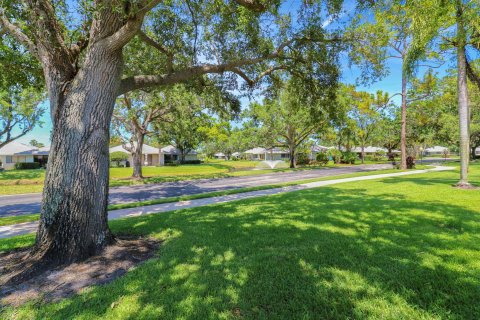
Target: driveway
13	205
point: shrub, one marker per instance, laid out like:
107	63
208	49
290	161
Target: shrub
302	159
26	165
322	158
391	156
116	157
349	157
192	162
379	155
410	162
335	155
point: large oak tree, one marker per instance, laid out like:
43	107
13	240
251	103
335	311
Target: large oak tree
98	52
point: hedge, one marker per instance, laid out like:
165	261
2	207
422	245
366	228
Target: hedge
26	165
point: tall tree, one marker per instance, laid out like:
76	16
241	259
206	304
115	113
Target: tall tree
20	111
85	70
186	129
294	115
386	36
21	89
365	110
133	117
449	24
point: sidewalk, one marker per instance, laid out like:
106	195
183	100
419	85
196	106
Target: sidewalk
29	227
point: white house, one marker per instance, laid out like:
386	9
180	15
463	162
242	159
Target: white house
156	157
151	155
220	155
436	150
171	154
316	149
266	154
16	152
369	150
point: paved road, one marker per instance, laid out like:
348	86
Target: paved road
30	203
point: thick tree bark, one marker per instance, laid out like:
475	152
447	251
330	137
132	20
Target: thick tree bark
363	153
73	222
137	156
403	132
462	89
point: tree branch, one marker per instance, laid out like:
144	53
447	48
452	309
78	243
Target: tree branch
145	38
472	75
144	81
17	33
131	27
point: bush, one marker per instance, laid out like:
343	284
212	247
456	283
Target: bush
379	155
192	162
302	159
335	155
26	165
322	158
349	157
116	157
410	162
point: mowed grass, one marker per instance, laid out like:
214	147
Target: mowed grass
9	220
398	248
31	181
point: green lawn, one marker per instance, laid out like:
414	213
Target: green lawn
399	248
31	181
32	217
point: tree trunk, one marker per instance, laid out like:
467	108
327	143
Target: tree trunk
293	163
182	156
462	89
73	221
403	132
137	156
363	153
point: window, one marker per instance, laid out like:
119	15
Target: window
9	159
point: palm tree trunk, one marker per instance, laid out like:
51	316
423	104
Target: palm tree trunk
462	89
403	133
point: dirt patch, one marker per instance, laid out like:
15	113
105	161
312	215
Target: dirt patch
62	282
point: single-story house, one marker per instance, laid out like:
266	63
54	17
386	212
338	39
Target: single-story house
436	150
236	155
266	154
171	154
16	152
316	149
477	151
156	157
369	150
151	155
220	155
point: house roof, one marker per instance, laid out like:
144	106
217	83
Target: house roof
318	148
17	148
146	149
172	150
259	150
436	149
219	154
368	149
236	154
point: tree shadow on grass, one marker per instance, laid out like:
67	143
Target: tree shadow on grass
323	253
